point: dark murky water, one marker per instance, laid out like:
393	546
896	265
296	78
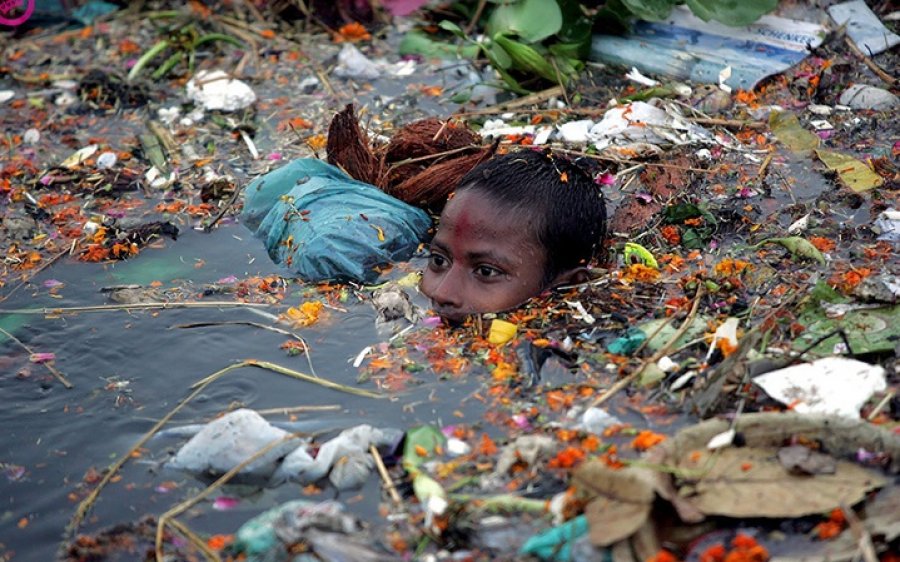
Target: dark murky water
59	434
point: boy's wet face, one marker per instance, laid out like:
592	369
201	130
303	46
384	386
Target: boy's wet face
484	258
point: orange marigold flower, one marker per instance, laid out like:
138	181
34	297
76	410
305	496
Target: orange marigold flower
822	244
218	542
663	556
729	267
646	439
487	447
715	553
352	33
671	234
567	458
317	142
640	272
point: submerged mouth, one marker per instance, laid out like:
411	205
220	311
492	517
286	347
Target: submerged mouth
452	318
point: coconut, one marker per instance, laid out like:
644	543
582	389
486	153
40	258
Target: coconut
348	148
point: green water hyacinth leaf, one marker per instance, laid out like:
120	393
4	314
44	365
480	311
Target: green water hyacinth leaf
798	247
650	10
532	20
731	12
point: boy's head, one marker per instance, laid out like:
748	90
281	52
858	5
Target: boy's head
517	224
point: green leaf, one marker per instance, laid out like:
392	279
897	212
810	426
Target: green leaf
448	25
798	247
499	57
532	20
418	43
462	96
613	17
526	58
651	10
731	12
575	34
424	437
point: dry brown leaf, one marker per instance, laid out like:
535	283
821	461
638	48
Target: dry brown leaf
750	482
621	500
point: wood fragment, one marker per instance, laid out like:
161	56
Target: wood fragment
385	477
880	72
138	306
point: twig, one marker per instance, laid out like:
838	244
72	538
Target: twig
187	504
476	16
433	156
298	409
208	553
862	536
733	123
631	162
224	210
880	406
530	99
761	173
887	78
34	274
261	326
385	477
137	306
655	357
59	376
291	373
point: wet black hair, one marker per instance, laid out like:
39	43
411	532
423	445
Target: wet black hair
565	207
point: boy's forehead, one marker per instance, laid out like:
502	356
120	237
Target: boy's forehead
472	213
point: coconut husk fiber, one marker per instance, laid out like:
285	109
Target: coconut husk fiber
349	148
423	138
442	153
431	187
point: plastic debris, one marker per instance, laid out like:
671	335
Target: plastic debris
862	96
832	385
6	95
353	64
685	47
228	441
501	331
345	459
645	123
627	344
863	27
558	542
106	160
725	337
324	528
527	449
216	90
888	225
325	225
596	420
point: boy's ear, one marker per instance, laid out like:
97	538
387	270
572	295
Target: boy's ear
574	276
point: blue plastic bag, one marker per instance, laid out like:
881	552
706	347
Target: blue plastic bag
323	225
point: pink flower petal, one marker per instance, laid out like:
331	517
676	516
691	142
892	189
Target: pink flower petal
224	503
42	357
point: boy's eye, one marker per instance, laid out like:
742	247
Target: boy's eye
437	261
487	272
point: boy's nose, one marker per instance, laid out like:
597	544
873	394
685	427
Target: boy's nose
446	291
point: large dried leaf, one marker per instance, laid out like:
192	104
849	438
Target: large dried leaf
841	437
621	500
751	482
